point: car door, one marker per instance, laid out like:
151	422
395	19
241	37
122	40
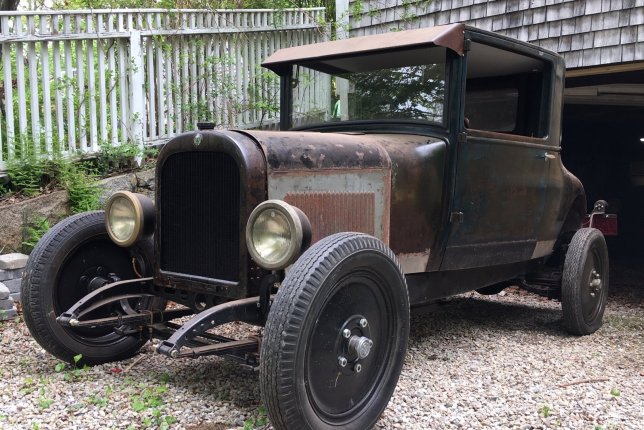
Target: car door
503	158
498	201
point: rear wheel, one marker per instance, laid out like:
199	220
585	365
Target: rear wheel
72	259
336	336
584	287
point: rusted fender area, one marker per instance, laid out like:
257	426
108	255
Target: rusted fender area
574	205
386	185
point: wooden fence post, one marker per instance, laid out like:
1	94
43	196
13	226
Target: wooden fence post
137	90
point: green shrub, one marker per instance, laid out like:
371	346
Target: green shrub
32	230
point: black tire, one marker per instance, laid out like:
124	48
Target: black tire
584	286
336	283
72	249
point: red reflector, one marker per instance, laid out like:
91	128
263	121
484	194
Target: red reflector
606	223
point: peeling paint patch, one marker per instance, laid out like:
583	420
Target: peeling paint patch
543	248
415	262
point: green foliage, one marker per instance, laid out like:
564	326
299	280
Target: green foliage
82	187
33	230
150	401
100	401
615	392
545	411
118	158
259	420
26	173
30	174
44	402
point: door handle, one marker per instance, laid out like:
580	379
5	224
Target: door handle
546	156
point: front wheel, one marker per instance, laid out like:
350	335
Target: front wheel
584	286
336	336
73	258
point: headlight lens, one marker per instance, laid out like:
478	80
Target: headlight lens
128	216
276	234
121	219
271	235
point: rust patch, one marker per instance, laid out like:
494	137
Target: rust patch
334	212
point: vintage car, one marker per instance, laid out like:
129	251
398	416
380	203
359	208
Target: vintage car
410	166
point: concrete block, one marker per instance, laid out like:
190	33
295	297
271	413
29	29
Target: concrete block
6	304
4	291
10	274
8	314
13	285
12	261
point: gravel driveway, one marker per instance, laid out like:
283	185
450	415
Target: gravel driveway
473	362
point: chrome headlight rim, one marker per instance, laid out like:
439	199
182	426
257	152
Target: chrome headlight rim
137	232
297	227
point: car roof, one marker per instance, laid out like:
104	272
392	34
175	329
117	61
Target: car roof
448	36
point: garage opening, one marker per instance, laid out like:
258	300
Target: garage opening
603	145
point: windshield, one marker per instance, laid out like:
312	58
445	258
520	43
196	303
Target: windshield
405	85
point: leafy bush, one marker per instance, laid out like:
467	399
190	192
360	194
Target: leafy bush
32	230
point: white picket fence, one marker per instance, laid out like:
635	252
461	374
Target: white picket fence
74	80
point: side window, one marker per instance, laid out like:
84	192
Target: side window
506	92
492	109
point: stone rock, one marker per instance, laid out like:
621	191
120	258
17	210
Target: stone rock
10	274
13	261
16	297
52	206
137	182
4	291
8	314
13	285
113	184
6	304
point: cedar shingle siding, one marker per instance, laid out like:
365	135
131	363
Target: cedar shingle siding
587	33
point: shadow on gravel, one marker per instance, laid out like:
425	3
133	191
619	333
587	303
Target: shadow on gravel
463	314
627	282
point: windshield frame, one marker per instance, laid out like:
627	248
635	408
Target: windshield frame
286	96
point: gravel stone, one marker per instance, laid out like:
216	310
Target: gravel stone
474	362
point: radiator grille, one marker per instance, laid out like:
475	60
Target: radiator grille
333	212
199	215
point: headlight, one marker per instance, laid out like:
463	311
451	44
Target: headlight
128	216
276	234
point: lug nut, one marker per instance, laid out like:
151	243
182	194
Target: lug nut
363	322
358	368
346	333
342	361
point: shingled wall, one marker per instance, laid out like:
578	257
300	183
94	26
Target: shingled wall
587	33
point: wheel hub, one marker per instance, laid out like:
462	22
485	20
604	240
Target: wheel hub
360	346
595	283
355	344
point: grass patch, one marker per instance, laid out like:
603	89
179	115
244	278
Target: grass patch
625	322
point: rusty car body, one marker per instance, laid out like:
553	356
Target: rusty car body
410	166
